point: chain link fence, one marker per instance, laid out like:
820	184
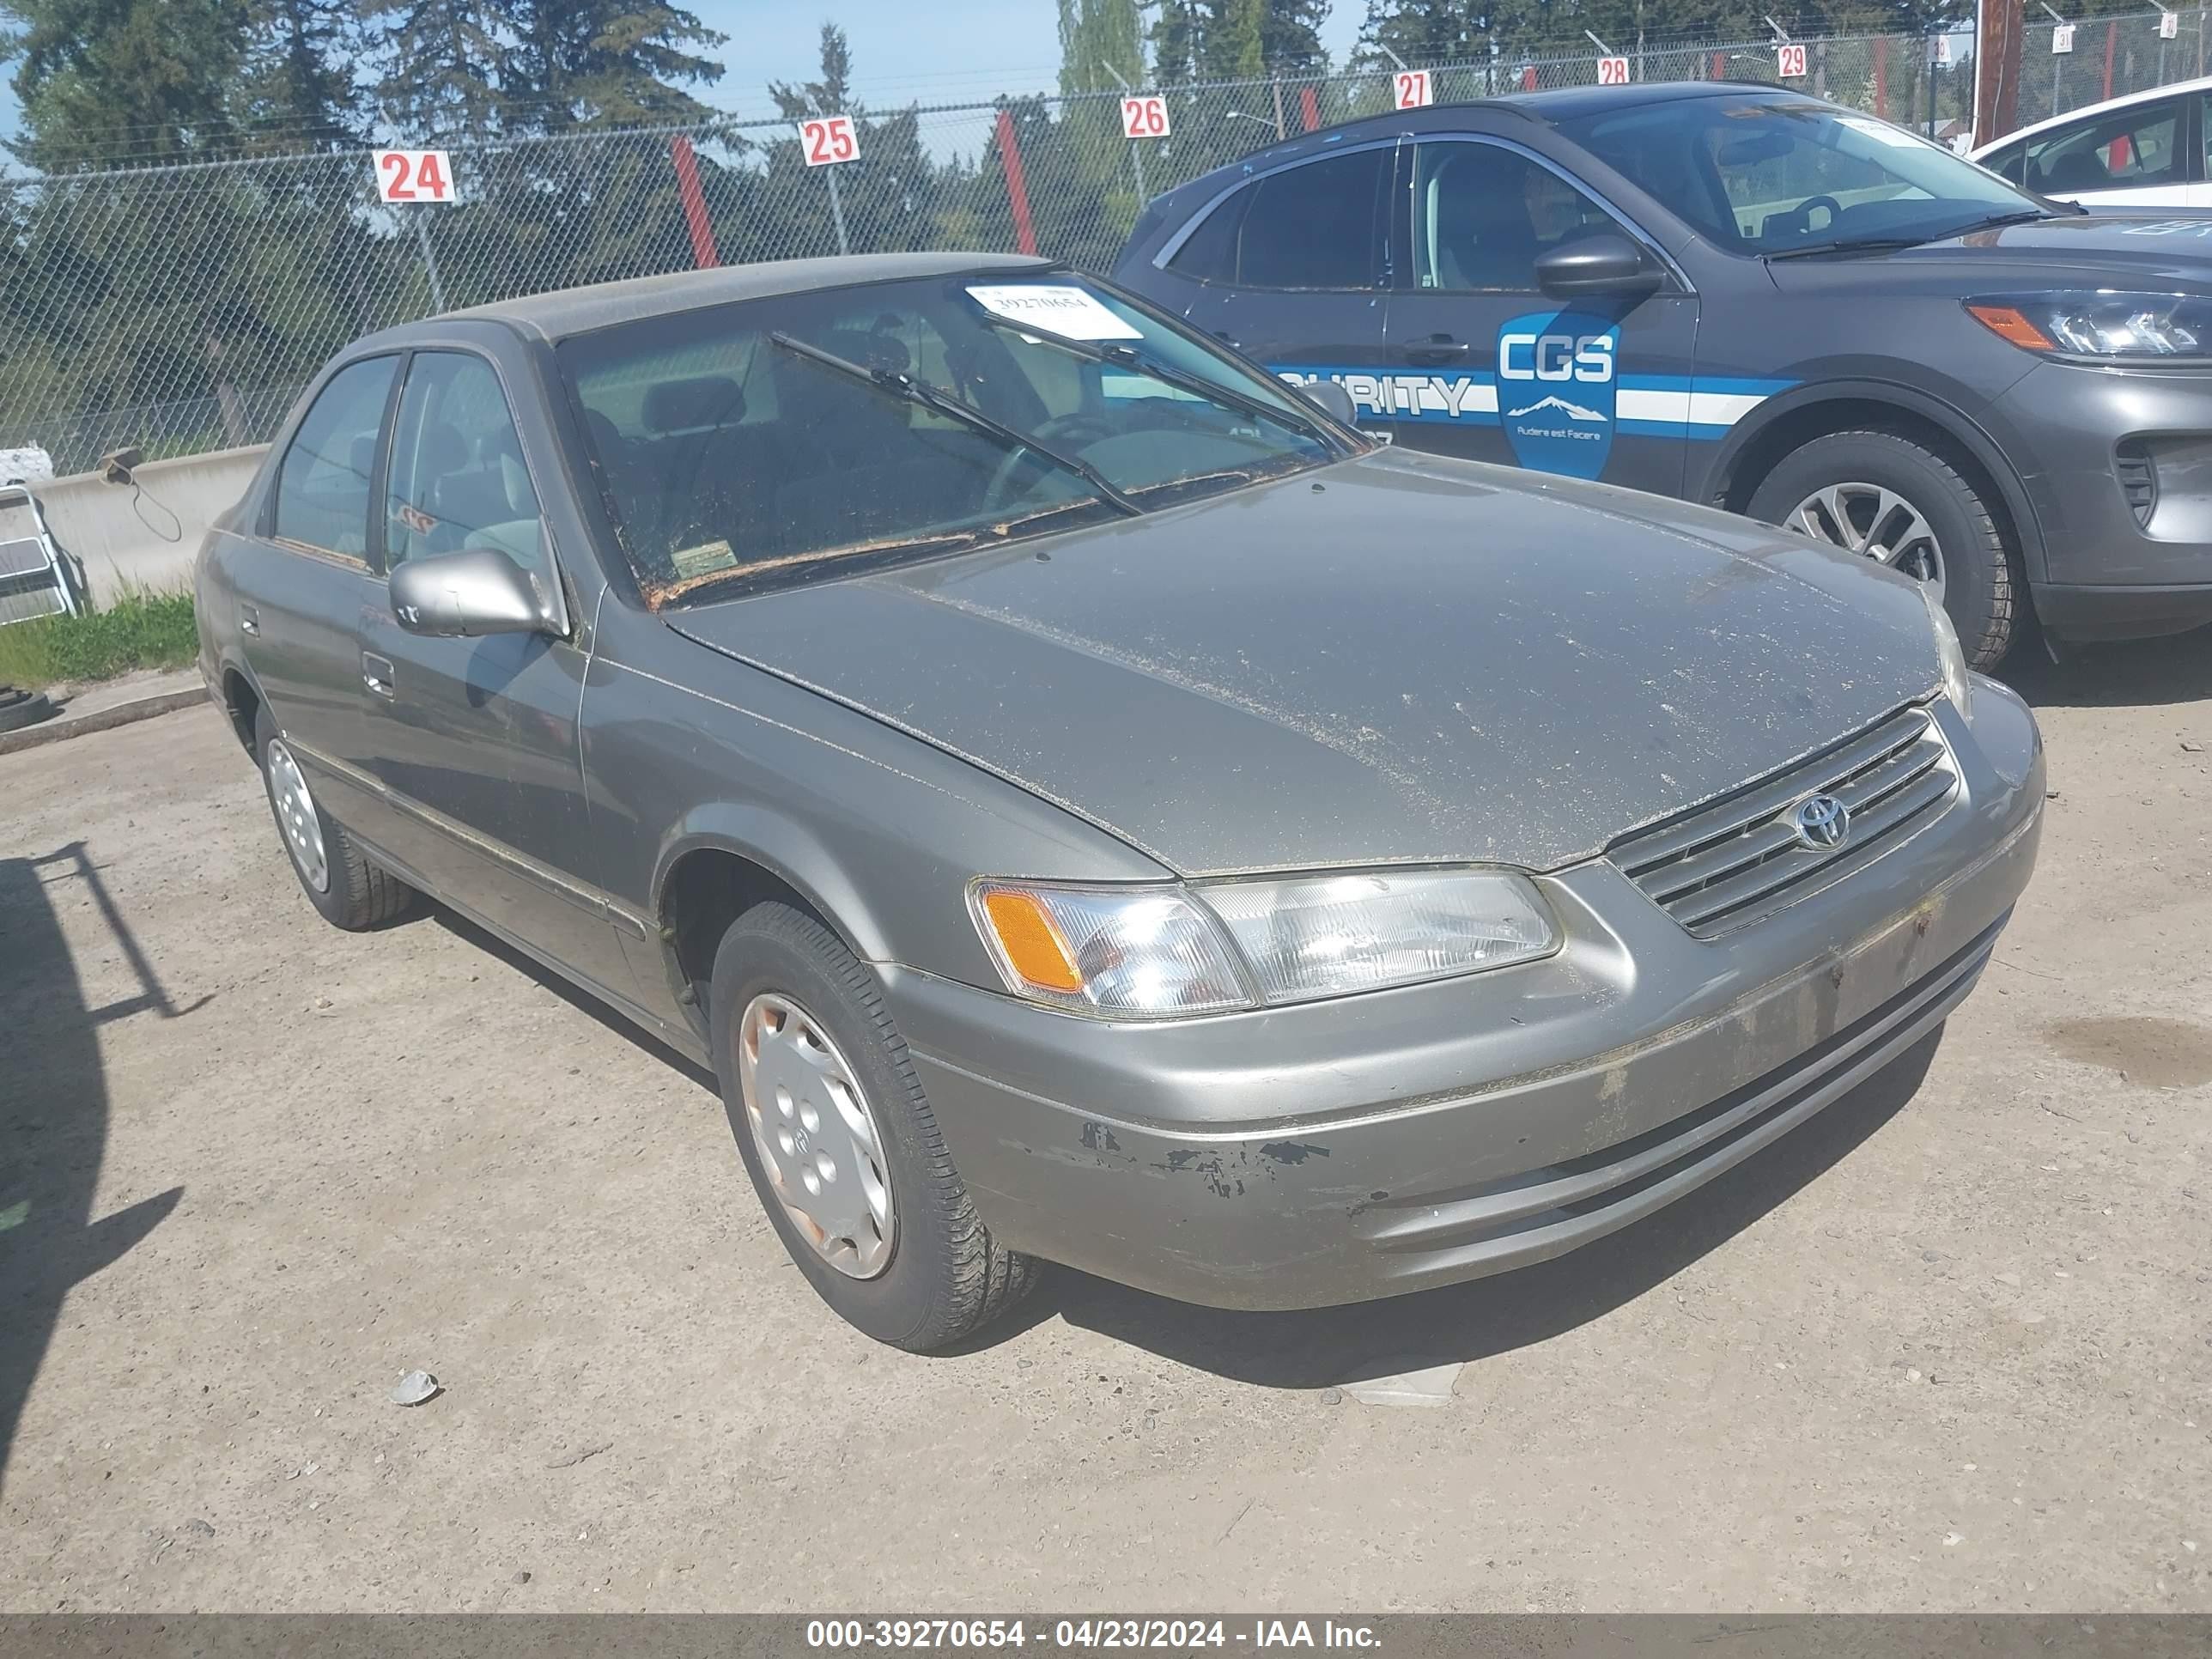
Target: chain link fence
181	308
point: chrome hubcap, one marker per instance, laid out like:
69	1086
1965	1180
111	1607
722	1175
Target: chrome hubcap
817	1138
295	810
1867	518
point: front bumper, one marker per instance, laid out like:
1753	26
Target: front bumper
1384	1143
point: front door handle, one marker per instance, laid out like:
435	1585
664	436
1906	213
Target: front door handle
376	673
1436	349
1228	339
249	620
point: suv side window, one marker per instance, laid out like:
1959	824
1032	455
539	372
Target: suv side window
323	482
457	478
1482	214
2116	151
1320	225
2006	162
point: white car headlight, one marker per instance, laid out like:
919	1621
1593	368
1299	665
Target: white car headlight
1149	952
1958	682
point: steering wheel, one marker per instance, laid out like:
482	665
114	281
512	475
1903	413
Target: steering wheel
1799	218
1078	427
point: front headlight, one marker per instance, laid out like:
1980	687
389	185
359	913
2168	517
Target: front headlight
1152	952
1958	682
2139	327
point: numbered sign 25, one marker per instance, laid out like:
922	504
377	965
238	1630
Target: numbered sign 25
828	139
1613	71
414	175
1789	62
1145	116
1411	89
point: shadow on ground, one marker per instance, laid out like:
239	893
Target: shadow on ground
53	1114
2135	673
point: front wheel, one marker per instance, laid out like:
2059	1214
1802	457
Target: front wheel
1885	497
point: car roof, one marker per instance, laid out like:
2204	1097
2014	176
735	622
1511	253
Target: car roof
2090	111
564	311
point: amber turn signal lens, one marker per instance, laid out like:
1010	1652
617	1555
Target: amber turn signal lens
2007	324
1032	942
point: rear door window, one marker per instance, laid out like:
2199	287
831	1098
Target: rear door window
1319	226
2123	149
322	496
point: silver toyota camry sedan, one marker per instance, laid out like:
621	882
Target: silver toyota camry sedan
1086	802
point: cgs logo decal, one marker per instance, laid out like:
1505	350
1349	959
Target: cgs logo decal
1556	390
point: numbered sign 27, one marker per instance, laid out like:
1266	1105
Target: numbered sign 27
1790	62
414	175
1613	71
1145	116
1411	89
826	140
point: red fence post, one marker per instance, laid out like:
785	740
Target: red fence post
1720	66
1528	77
1881	75
704	252
1017	191
1310	107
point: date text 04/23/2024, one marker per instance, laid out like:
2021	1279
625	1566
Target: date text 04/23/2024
1158	1634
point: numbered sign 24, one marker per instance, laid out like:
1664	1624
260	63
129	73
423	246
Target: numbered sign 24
1144	115
414	175
1790	62
1613	71
1413	89
826	140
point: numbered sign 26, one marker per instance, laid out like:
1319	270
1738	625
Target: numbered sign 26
827	140
1790	62
2062	37
414	175
1145	116
1613	71
1411	89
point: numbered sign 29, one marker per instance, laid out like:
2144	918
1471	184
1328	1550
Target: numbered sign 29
1411	90
826	140
1613	71
2062	38
1790	62
1145	116
414	175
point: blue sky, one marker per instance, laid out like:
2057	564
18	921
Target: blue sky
930	50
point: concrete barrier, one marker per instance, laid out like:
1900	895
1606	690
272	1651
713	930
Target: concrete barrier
145	537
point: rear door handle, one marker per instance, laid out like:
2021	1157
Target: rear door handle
249	620
377	675
1436	349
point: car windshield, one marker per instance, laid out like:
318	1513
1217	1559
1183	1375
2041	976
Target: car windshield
781	440
1763	174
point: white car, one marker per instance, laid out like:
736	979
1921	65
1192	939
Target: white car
2146	149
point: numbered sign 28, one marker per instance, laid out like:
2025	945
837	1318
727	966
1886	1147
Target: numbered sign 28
1790	62
1613	71
414	175
1145	116
2062	37
827	140
1411	89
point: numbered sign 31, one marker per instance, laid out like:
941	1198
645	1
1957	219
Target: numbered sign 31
828	139
1413	89
1789	62
1613	71
2062	38
414	175
1145	116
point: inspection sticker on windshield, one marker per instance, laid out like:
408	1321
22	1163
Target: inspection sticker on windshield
1058	308
1880	132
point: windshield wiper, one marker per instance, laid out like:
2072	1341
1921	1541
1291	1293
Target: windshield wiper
893	383
1857	245
1120	355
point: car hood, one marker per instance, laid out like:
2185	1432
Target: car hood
2098	249
1398	658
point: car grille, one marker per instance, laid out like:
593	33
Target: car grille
1730	864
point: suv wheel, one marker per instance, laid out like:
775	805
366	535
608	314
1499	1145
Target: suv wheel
339	881
840	1141
1888	498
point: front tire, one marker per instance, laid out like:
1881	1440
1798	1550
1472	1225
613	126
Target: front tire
1885	496
841	1142
346	889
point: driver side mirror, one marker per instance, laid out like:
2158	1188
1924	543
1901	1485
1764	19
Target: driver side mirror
466	595
1605	264
1332	399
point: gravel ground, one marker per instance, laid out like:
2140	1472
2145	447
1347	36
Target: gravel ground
1946	1348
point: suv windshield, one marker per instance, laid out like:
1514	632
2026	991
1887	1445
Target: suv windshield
809	435
1767	175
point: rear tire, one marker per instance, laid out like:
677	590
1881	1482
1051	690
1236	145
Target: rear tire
1980	591
346	889
934	1275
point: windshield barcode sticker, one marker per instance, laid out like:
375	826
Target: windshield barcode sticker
1058	308
1880	132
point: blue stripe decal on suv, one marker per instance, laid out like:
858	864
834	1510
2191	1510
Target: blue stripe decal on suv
1645	405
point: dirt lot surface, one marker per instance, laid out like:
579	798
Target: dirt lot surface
1945	1348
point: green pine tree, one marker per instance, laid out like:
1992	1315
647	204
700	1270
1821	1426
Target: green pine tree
298	90
99	80
440	66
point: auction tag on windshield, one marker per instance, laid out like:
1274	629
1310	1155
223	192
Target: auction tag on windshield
1880	132
1056	307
